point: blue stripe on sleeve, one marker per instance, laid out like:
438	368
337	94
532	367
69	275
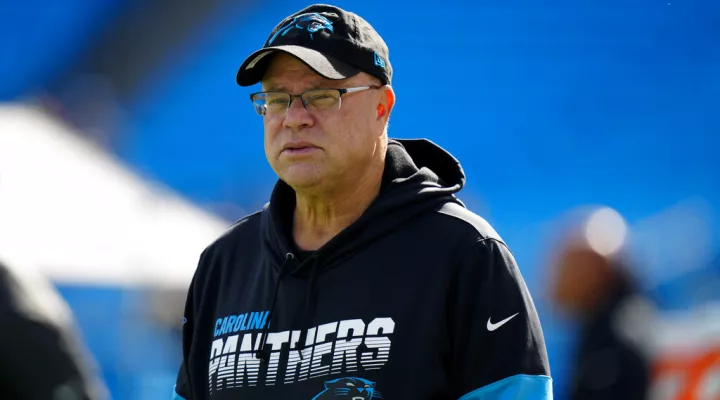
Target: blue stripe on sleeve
525	387
176	396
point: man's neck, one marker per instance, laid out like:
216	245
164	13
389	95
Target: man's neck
319	217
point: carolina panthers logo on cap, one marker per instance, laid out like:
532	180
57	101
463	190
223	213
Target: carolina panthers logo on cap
311	22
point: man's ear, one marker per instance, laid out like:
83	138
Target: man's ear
387	102
390	94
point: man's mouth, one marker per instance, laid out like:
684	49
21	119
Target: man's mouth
299	148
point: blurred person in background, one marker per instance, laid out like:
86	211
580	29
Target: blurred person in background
594	286
41	354
364	274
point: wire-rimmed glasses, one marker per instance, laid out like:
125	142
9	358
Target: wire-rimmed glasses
316	100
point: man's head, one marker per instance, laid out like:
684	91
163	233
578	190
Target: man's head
335	43
589	261
328	138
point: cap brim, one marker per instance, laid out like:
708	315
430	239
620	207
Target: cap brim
253	68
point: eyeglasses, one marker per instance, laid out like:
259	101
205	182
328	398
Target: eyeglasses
273	104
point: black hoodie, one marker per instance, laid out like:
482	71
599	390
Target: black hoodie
418	299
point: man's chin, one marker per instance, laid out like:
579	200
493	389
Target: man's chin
303	180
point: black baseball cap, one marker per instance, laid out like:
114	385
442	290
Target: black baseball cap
335	43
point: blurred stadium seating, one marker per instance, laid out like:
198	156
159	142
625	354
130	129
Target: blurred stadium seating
125	147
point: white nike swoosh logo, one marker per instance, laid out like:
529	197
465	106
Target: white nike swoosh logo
491	327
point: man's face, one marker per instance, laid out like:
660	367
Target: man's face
331	148
581	279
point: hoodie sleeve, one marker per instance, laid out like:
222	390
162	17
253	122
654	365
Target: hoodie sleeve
182	389
498	346
182	385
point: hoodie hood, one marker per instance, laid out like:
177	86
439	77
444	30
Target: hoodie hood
418	175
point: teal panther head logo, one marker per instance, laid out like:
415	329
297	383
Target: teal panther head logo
311	22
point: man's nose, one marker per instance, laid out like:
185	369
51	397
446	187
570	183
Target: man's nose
297	116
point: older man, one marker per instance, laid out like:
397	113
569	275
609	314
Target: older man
364	277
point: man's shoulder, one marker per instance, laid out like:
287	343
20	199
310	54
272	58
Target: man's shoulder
241	235
457	217
242	230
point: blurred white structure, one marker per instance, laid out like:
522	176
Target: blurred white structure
78	215
605	231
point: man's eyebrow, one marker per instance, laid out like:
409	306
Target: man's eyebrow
273	87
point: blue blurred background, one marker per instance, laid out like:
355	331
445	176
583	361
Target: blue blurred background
549	106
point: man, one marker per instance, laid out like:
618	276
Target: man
593	284
42	357
364	277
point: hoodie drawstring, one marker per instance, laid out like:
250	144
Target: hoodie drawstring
263	352
309	307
